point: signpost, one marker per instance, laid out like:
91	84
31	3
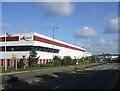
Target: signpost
76	65
16	62
15	59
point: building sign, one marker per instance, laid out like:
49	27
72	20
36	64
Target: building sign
26	38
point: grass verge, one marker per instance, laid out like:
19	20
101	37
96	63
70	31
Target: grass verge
39	68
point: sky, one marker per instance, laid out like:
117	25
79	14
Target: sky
92	25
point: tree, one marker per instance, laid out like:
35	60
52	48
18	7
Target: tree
67	61
32	57
93	58
21	63
57	58
57	61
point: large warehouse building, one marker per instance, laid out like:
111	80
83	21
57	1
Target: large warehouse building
20	45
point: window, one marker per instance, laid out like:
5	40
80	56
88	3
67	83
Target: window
46	61
43	61
28	48
1	62
14	63
40	61
8	62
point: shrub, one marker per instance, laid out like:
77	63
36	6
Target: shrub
73	62
57	63
67	60
43	65
20	64
57	58
36	66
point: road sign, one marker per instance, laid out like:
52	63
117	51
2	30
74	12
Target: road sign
13	55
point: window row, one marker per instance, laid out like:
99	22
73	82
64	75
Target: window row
8	62
29	48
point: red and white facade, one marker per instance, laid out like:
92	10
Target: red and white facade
21	43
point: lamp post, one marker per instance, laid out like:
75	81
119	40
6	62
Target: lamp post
5	52
83	52
53	46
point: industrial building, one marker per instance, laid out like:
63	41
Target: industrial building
20	45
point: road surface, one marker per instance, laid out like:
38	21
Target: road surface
100	77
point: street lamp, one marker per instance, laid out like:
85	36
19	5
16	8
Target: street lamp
5	52
83	52
53	46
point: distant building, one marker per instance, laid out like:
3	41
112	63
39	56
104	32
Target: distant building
86	54
108	56
20	45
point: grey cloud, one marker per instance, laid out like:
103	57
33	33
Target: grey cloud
58	8
85	32
102	46
112	26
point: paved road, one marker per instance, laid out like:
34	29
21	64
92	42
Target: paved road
100	77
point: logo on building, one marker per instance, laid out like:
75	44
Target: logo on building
26	38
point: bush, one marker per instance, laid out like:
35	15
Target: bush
43	65
57	63
57	58
36	66
67	60
73	62
90	59
20	64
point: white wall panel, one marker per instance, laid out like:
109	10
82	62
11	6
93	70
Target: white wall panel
18	54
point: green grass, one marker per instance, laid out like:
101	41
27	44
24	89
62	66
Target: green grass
0	70
29	69
37	68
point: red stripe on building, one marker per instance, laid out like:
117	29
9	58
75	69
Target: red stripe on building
15	38
36	38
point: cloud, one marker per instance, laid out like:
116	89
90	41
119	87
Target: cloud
85	32
101	42
112	26
102	46
58	8
5	26
110	16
